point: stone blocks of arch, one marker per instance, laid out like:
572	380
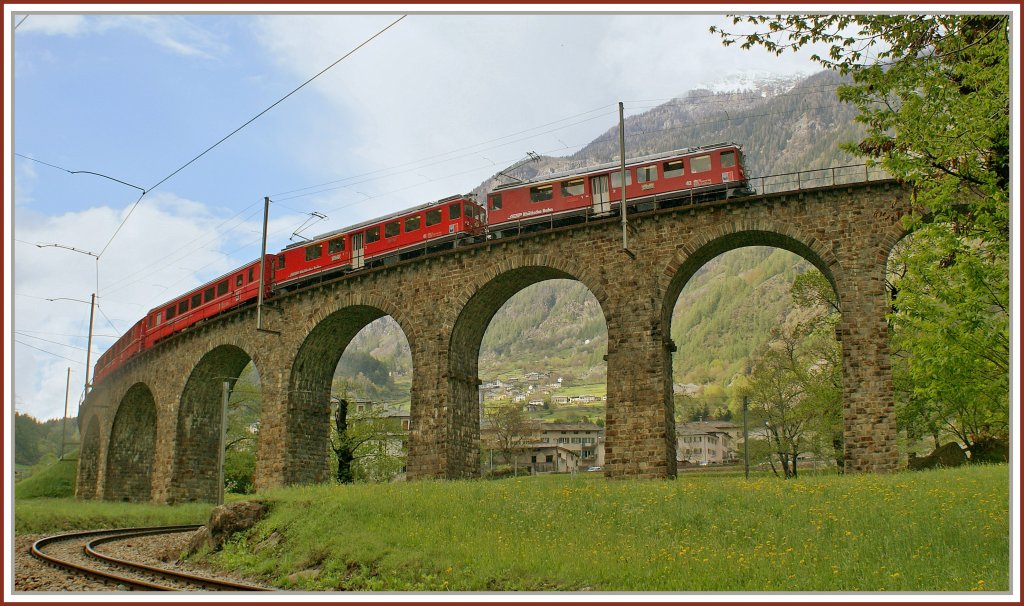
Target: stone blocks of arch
167	400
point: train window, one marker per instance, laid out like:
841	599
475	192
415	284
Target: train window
433	217
239	280
314	252
454	211
197	300
392	229
541	193
373	234
647	173
208	295
251	274
572	188
469	210
495	202
617	178
336	245
673	168
412	223
182	307
728	159
700	164
222	288
280	261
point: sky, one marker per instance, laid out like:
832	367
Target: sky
431	107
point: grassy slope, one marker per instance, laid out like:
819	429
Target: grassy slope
40	516
944	530
55	481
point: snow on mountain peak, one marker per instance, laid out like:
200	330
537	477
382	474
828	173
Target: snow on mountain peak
753	81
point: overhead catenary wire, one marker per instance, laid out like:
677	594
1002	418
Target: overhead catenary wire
49	352
440	159
247	123
801	91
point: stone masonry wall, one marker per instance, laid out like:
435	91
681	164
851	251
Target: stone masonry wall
444	304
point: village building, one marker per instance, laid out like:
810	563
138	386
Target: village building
707	442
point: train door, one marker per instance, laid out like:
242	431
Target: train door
599	192
357	250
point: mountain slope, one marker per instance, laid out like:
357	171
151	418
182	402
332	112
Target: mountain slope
729	306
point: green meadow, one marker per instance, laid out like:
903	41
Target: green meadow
942	530
945	530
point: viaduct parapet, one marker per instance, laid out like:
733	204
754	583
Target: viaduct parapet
150	429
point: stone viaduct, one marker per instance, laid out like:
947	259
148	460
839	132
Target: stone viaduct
150	429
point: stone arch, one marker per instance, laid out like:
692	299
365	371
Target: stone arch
693	255
89	460
131	449
475	307
195	474
307	427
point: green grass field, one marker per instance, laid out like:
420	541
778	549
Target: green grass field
942	530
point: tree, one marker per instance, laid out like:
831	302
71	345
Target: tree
368	444
950	340
795	384
933	93
510	430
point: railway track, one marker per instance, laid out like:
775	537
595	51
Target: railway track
81	552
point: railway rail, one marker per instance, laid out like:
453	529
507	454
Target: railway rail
80	552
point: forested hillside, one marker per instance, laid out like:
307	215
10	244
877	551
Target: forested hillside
725	312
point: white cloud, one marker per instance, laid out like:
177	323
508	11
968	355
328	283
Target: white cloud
168	246
437	83
63	25
175	33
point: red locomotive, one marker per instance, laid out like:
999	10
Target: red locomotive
687	175
673	178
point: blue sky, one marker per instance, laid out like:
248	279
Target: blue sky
430	108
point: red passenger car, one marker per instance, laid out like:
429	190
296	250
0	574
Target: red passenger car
130	344
217	296
401	235
673	177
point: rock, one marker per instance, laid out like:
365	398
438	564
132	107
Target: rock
990	449
947	455
309	573
225	521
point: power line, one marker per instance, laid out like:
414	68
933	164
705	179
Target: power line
247	123
24	334
455	151
49	352
79	172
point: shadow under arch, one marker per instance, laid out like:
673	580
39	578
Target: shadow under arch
198	427
89	461
683	268
307	426
475	316
132	446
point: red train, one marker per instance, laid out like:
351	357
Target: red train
660	180
669	179
398	236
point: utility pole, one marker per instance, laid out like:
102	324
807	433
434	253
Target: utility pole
64	428
746	451
622	166
225	392
263	260
88	346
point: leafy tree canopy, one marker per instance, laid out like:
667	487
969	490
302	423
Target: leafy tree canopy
933	92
